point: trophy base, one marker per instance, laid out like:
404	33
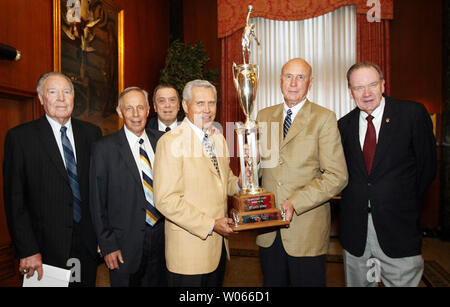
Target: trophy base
255	211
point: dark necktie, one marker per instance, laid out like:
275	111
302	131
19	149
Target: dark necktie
287	122
370	143
71	167
167	129
152	214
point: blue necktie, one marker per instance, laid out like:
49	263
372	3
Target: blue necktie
287	123
71	167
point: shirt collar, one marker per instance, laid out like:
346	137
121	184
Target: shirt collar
199	132
57	126
295	108
162	126
132	138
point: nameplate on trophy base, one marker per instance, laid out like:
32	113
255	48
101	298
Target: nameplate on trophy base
255	211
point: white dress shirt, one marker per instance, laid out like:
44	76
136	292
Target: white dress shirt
133	141
162	127
56	128
295	109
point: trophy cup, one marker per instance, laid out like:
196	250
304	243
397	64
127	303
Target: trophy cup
253	207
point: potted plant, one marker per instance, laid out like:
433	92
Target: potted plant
184	63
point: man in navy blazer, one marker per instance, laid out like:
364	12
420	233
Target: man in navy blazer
133	247
390	151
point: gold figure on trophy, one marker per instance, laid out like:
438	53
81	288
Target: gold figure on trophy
249	33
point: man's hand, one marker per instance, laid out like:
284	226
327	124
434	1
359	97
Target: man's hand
112	260
223	226
288	209
30	264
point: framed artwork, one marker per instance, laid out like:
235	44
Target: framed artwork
88	48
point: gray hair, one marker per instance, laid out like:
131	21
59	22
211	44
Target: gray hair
187	91
363	65
51	74
130	89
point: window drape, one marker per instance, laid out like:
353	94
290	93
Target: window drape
327	43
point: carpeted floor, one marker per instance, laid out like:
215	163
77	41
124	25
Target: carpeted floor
244	269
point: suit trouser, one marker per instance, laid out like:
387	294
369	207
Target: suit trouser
152	270
281	270
88	260
213	279
374	266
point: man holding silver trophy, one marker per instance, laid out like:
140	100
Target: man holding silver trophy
302	166
310	170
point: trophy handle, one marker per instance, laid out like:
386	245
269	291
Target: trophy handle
234	76
256	67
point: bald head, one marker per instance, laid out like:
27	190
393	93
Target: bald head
296	81
297	62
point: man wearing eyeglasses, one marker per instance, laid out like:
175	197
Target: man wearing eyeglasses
390	151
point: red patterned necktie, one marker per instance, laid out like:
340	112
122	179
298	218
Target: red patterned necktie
370	143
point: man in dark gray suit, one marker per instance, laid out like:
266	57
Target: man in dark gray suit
46	183
129	229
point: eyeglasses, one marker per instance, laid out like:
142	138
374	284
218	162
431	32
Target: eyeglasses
371	86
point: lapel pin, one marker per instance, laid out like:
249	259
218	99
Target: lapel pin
388	120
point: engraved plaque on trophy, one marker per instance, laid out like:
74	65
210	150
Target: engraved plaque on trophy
253	207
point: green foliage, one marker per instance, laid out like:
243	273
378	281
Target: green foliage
185	63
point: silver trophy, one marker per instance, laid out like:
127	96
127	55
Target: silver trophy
253	208
245	79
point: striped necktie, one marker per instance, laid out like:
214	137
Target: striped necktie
152	215
287	122
210	150
71	167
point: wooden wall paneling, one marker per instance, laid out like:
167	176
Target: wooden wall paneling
27	26
200	24
16	107
146	35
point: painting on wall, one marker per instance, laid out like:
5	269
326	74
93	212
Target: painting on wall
88	48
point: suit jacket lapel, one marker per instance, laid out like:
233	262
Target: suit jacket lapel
385	136
125	151
47	138
152	138
80	148
298	124
354	140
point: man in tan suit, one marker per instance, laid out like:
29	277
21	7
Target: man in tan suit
303	164
191	189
